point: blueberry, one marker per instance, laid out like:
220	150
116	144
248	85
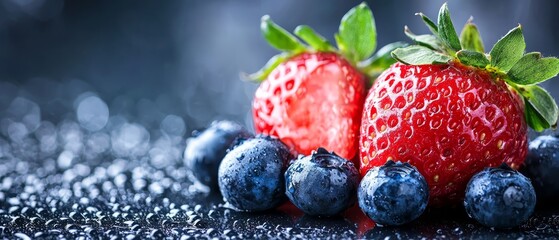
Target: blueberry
542	166
393	194
251	174
500	197
322	184
205	151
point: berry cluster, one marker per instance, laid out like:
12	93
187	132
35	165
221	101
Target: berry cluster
438	120
260	173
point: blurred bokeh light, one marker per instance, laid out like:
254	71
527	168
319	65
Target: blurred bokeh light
169	67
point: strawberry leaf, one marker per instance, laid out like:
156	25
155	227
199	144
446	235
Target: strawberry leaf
508	50
357	33
419	55
315	40
426	40
534	119
470	38
544	107
532	69
446	29
278	37
380	61
263	73
430	24
472	58
383	58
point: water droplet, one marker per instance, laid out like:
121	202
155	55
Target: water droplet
65	159
173	125
92	112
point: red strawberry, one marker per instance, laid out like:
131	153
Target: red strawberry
450	121
450	111
312	100
312	96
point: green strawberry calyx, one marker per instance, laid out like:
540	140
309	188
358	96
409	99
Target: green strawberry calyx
356	41
506	60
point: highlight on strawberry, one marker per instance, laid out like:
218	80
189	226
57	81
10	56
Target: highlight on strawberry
311	94
450	109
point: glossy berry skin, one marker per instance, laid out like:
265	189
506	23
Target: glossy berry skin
204	151
251	176
322	184
393	194
312	100
500	197
448	120
542	167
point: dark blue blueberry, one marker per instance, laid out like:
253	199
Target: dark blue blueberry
251	174
322	184
205	151
542	166
500	197
393	194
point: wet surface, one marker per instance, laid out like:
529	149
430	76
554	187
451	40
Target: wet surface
96	193
92	174
136	198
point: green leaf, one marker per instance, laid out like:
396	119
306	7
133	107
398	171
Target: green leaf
430	24
383	58
532	69
470	38
446	29
380	61
472	58
426	40
419	55
534	119
357	36
543	104
341	45
278	37
315	40
263	73
508	50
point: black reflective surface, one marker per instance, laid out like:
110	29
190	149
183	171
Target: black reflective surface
99	191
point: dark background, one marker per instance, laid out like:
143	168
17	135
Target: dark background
149	59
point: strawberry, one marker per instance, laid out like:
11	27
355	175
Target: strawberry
318	104
451	110
312	95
